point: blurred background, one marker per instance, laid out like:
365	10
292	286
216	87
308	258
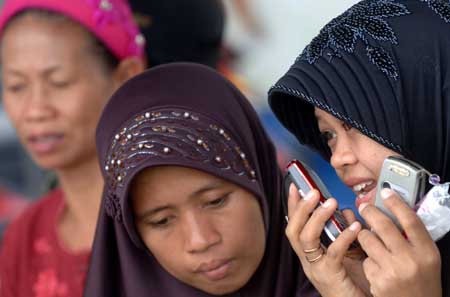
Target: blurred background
265	38
262	39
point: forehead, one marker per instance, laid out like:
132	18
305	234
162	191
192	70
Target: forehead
324	117
173	187
158	174
168	181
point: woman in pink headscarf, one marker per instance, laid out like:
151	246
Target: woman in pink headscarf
61	61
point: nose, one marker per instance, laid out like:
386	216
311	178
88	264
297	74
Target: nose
199	233
343	154
38	106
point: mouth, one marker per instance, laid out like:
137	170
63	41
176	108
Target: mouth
216	269
44	143
365	192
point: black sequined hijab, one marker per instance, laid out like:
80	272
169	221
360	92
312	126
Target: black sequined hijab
186	115
383	68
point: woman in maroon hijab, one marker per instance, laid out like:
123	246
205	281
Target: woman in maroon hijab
191	203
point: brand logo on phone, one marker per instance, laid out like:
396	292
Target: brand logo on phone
399	170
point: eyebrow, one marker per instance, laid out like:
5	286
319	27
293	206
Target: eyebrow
46	71
151	212
209	187
13	72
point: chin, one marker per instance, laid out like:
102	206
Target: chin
220	290
54	162
224	287
47	163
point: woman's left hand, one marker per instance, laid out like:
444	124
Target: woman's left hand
397	266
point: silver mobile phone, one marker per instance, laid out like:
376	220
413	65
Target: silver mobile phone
405	177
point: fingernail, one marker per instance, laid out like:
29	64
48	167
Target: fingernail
292	189
308	195
354	226
327	204
362	206
385	193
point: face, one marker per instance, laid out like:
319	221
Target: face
53	90
356	158
204	231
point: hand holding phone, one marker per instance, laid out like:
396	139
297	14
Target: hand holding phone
406	178
305	179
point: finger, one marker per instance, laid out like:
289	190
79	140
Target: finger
299	215
373	247
383	226
349	215
314	253
371	270
310	236
293	199
338	249
410	222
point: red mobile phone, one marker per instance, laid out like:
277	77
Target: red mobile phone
305	179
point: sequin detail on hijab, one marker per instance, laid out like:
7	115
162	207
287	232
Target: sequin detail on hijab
441	7
365	19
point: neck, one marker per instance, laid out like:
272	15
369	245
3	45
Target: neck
82	186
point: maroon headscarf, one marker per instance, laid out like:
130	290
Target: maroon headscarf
186	115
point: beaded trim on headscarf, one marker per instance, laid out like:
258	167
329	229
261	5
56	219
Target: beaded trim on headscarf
442	8
346	119
165	134
114	11
342	33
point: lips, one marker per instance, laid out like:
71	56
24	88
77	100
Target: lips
369	197
364	190
44	143
216	269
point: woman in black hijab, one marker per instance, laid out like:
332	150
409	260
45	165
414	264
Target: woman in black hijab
191	204
374	82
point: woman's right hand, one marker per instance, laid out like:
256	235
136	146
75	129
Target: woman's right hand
324	268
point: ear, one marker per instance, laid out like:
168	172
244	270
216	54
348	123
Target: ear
128	68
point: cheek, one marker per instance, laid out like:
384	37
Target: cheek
373	163
13	109
247	232
156	241
378	158
167	251
168	256
371	154
84	109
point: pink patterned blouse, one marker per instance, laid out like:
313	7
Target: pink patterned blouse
33	263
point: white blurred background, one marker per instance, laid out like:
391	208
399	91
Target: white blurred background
286	27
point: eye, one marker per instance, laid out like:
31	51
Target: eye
219	202
60	84
15	88
161	223
346	126
327	136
